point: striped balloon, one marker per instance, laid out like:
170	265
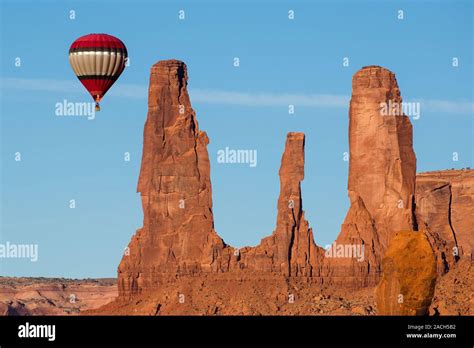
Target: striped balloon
98	60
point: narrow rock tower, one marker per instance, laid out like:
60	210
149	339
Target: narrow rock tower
382	165
381	185
178	234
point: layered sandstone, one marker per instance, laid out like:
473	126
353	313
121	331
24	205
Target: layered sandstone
53	296
408	276
445	209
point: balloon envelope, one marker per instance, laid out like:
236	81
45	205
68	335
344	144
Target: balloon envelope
98	60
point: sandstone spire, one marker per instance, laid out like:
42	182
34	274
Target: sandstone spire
381	183
290	250
382	165
178	234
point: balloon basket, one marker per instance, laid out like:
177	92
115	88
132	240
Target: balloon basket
97	107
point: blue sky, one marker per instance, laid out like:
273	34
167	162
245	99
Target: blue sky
282	61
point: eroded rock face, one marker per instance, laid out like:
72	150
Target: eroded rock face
408	276
178	234
382	164
290	250
354	258
445	210
381	184
453	293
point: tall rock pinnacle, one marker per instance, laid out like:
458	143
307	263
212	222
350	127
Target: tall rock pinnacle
296	250
178	234
381	184
290	250
382	167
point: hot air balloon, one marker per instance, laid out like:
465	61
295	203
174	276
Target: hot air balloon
98	60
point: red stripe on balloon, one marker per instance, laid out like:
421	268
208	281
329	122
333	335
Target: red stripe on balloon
98	40
97	86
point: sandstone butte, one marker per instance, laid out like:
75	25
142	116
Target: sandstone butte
177	264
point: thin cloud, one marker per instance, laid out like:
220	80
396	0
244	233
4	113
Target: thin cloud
72	86
456	107
209	96
41	85
268	99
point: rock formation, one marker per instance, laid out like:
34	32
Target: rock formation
177	254
358	262
454	290
382	164
290	250
178	234
381	184
54	296
408	276
445	209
